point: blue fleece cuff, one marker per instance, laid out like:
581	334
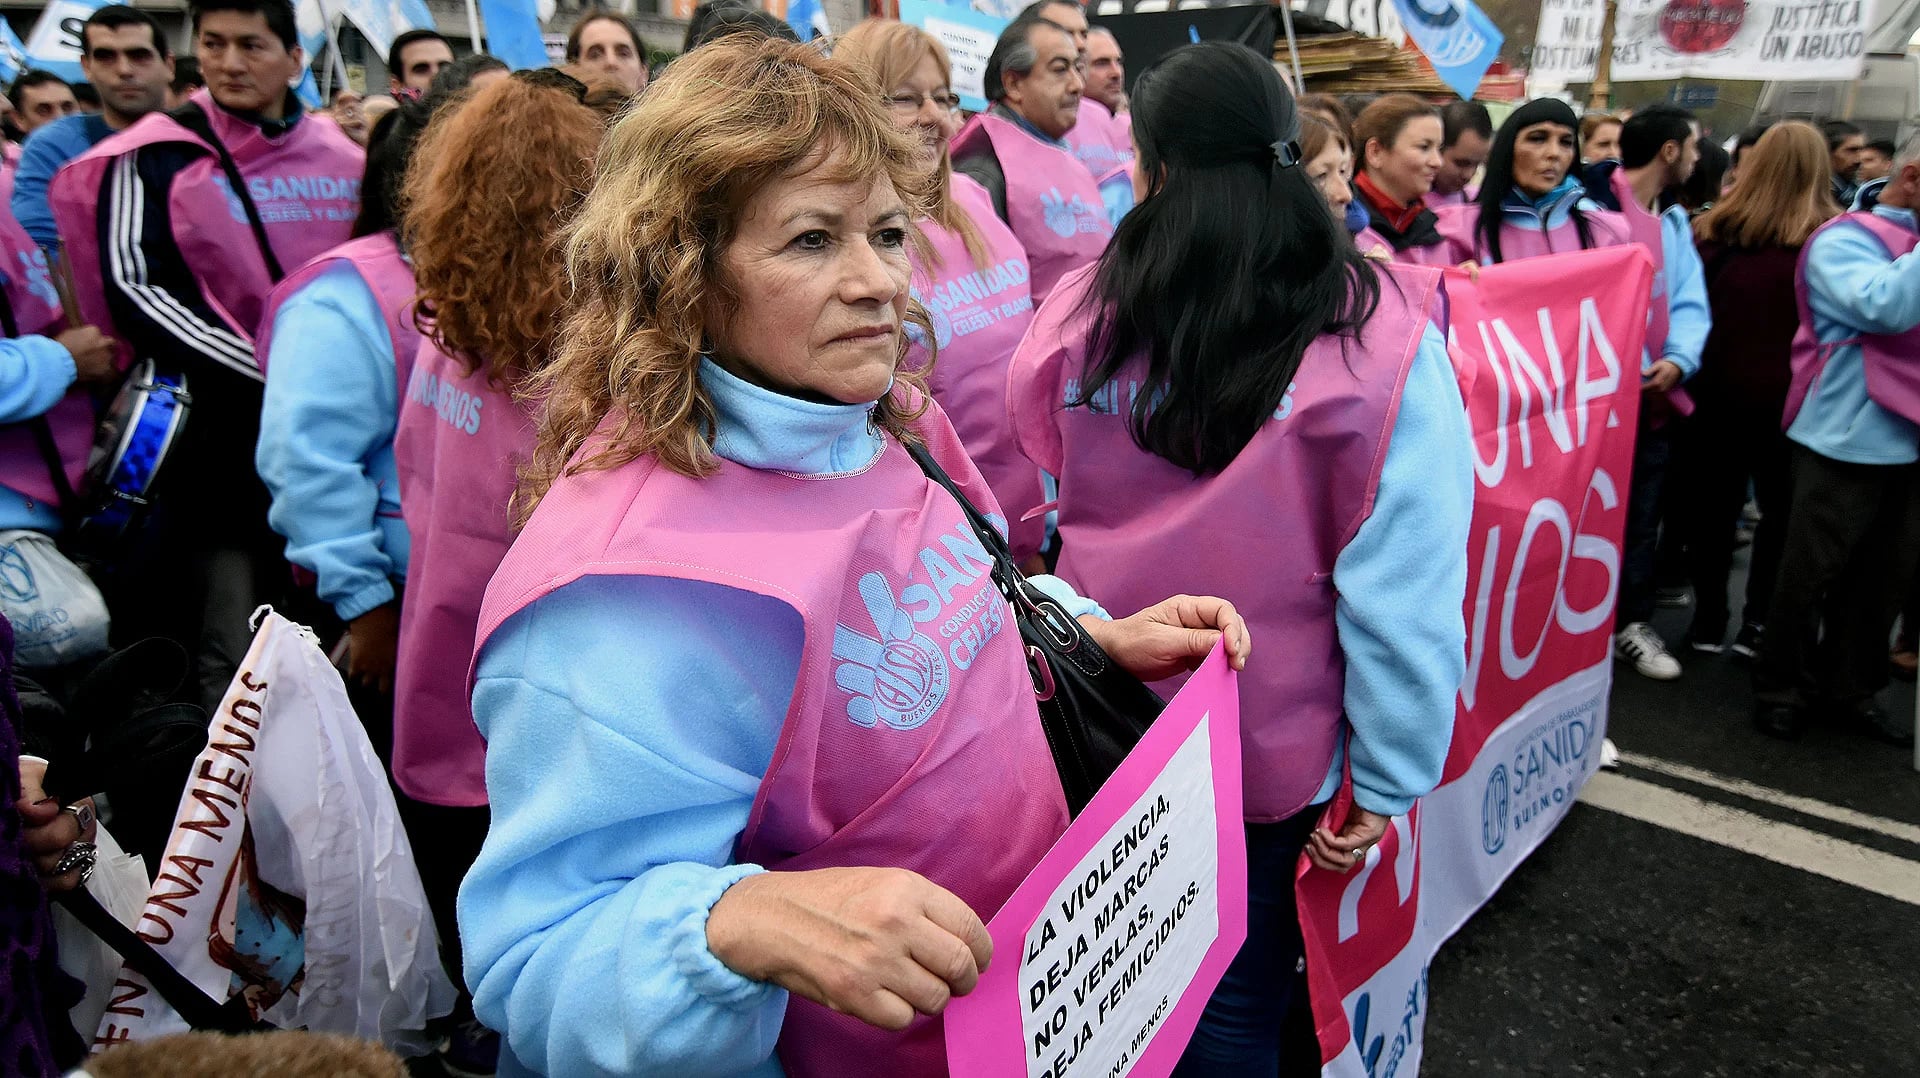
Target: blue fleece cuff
706	974
369	598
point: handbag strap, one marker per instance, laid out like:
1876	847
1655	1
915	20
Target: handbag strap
192	117
199	1009
42	430
989	535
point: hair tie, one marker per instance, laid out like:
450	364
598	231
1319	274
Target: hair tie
1286	153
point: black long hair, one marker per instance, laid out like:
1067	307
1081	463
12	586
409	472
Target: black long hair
1499	178
1228	269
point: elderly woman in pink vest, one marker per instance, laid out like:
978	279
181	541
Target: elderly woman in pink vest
761	742
1242	405
974	280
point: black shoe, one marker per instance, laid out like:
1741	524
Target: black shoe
1747	643
1673	596
1870	719
1778	720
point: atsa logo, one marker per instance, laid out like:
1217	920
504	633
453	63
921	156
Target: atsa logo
898	676
1493	811
942	324
1068	216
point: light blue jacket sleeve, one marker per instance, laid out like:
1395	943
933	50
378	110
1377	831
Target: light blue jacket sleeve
1402	582
35	372
40	157
1689	319
629	721
1850	280
326	441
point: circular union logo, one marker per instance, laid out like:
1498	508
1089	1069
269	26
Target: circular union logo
909	682
1493	811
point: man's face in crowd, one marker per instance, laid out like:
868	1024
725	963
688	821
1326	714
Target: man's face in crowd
419	63
246	65
41	105
606	47
1682	169
1873	165
1106	72
125	65
1049	95
1846	156
1460	161
1070	18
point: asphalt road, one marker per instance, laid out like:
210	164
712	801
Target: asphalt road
1724	904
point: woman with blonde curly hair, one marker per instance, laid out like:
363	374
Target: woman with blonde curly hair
761	741
491	183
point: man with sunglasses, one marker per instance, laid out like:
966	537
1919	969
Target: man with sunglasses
126	57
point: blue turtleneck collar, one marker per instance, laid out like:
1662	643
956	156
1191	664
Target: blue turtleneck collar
760	428
1548	210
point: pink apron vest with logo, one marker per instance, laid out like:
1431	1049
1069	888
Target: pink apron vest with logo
1100	143
305	184
1644	228
1053	204
458	450
388	276
1460	239
1134	527
1891	361
36	311
911	739
979	316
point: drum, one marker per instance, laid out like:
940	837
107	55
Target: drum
135	437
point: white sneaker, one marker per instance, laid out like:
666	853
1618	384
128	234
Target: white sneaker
1640	645
1609	755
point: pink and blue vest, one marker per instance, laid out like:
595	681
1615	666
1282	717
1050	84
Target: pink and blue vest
458	450
1891	361
1053	204
306	185
1263	533
387	274
979	314
911	739
36	311
1102	141
1460	240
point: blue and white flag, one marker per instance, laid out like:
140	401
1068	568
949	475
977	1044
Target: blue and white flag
13	53
1456	36
54	43
808	19
513	32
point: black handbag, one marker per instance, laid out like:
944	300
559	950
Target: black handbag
1092	710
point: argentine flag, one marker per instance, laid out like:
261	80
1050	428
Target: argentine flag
808	19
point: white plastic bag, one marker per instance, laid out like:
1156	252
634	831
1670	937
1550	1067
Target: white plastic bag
58	615
119	883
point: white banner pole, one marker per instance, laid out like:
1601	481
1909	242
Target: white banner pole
473	26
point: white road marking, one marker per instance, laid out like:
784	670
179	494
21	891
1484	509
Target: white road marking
1781	843
1808	806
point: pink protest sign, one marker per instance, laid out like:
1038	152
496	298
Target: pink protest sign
1105	956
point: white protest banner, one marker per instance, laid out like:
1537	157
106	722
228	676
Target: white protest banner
968	36
288	880
1105	956
1706	39
54	43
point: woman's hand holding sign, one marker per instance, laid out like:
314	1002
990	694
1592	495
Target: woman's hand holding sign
1172	636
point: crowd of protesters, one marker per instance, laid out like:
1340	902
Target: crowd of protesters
622	427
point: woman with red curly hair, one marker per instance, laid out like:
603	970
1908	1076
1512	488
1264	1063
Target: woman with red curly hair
491	183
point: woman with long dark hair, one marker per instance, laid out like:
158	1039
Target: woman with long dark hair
1243	405
1531	202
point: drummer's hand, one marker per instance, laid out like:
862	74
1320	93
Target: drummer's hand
1172	636
879	944
372	640
92	353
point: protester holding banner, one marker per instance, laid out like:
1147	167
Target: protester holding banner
741	796
1397	154
1017	151
975	283
1853	414
1468	138
1531	201
1750	244
126	54
1251	375
166	255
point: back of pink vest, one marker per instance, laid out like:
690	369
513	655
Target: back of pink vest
1891	361
1053	204
979	315
306	185
36	311
388	276
1263	533
911	739
458	451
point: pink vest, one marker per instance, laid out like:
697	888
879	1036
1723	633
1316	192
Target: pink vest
36	311
1435	200
911	739
1460	240
1891	361
388	276
1135	528
458	450
306	186
1100	142
979	316
1053	204
1644	227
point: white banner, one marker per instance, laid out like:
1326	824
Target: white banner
1707	39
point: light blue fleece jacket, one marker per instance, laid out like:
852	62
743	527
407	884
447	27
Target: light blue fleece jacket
41	156
35	374
1689	319
326	441
628	730
1854	287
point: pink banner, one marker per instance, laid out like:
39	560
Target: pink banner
1548	355
1105	956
